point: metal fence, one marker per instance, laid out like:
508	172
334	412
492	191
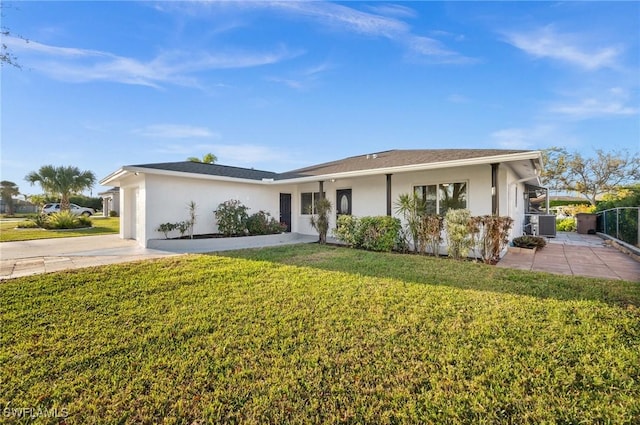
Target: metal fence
620	223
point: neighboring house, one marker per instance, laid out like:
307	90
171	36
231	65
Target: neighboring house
19	207
110	201
485	181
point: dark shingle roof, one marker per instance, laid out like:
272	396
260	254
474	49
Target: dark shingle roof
211	169
391	158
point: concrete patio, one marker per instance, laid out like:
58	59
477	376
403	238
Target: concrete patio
579	255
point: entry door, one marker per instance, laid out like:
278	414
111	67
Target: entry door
285	210
343	202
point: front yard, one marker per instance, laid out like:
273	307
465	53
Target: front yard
101	226
311	334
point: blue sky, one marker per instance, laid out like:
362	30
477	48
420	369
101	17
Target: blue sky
282	85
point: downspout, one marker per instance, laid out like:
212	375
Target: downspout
321	195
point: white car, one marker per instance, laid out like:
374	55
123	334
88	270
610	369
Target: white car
75	209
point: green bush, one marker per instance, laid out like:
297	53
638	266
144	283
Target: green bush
232	217
41	220
380	233
113	213
566	224
165	228
84	221
529	242
347	230
64	220
457	230
27	224
261	223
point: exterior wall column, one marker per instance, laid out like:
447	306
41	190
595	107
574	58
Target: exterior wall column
495	192
389	195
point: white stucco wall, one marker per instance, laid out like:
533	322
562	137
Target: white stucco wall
167	199
512	203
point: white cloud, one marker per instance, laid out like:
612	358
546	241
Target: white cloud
344	18
458	98
536	137
393	10
170	67
546	42
175	131
590	108
612	102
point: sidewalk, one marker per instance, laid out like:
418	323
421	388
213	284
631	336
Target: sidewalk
578	255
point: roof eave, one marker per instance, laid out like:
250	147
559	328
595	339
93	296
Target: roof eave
128	170
529	155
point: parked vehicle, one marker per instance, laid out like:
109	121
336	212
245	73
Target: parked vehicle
75	209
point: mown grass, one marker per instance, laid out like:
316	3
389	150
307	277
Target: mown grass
101	226
211	339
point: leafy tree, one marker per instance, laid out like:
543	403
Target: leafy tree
589	176
8	190
208	158
7	57
62	181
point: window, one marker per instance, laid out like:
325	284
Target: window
441	197
308	201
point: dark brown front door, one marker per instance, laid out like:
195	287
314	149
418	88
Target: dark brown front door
343	202
285	210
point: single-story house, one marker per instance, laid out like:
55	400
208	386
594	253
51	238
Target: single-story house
485	181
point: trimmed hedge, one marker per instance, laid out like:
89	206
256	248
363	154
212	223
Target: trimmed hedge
379	233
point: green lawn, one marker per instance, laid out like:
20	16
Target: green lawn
313	334
101	226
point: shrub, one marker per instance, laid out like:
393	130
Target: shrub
183	227
494	236
566	225
192	217
457	230
27	224
63	220
347	230
41	220
165	228
113	213
429	232
261	223
528	241
320	221
379	233
84	221
412	208
231	217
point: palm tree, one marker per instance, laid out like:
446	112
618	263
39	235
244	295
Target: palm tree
7	191
62	181
208	158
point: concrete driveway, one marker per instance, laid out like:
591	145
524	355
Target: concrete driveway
26	258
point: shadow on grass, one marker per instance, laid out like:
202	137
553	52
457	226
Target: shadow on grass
446	272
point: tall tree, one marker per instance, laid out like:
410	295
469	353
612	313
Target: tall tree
8	190
62	181
589	176
208	158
